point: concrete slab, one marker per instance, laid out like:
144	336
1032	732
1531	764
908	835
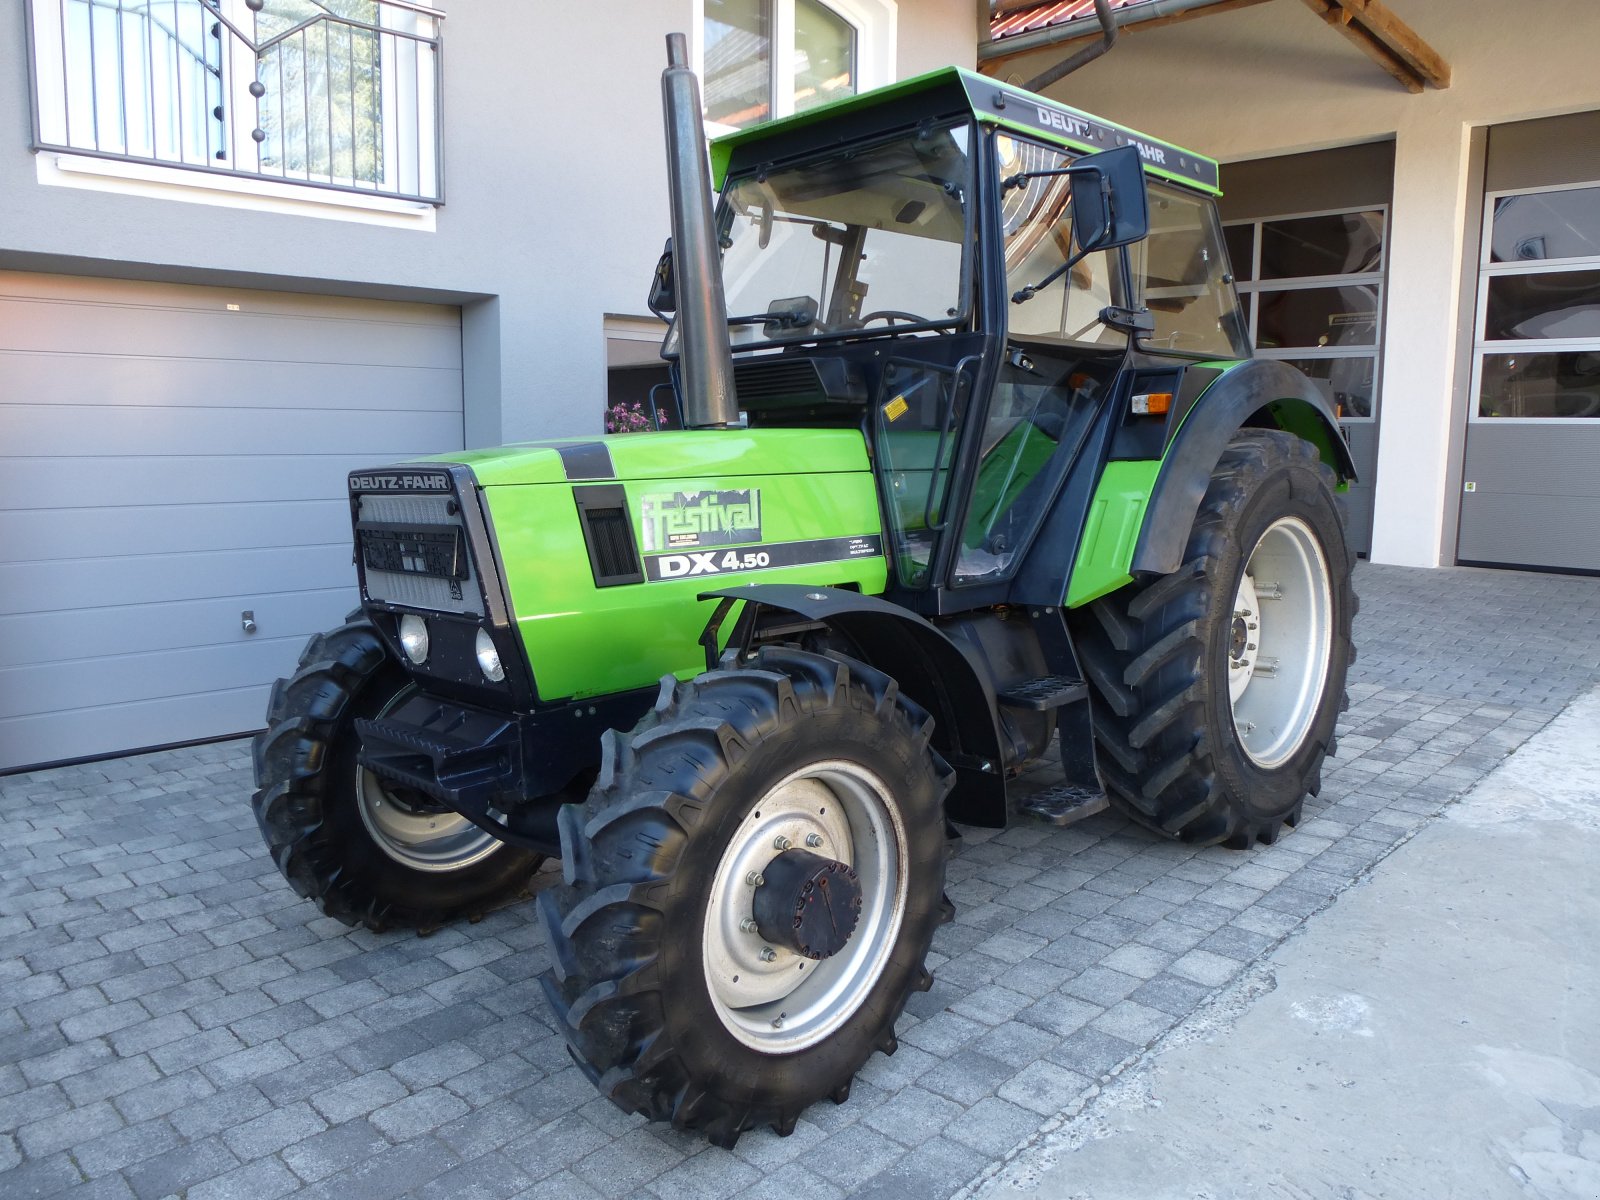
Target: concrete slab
1433	1034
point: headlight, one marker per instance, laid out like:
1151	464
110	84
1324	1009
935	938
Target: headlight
489	658
414	638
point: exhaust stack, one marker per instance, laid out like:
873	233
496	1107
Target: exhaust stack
705	360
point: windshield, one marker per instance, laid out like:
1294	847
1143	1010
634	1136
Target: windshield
868	239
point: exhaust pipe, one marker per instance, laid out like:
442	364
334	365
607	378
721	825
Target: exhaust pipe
705	360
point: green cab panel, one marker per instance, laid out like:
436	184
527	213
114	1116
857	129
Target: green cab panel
706	510
1115	520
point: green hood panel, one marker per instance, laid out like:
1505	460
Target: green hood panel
672	454
707	509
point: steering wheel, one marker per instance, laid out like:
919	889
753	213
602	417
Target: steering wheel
891	315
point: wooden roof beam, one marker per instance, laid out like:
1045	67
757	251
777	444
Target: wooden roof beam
1387	40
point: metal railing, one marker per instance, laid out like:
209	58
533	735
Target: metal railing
341	94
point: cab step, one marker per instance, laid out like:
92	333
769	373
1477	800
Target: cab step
1064	804
1044	693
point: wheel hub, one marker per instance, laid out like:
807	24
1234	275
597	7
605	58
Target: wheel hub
785	965
807	904
1238	637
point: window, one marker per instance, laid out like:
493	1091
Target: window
1036	222
1184	279
330	93
1312	289
873	240
773	58
1538	344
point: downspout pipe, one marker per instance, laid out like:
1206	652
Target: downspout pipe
705	358
1017	44
1108	27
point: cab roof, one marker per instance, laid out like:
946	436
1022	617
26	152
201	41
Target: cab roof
947	93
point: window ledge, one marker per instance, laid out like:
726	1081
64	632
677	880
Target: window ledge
57	169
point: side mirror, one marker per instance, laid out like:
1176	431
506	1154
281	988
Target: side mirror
1110	207
663	298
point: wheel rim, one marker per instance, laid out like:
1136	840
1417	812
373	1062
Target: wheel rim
415	837
1280	641
789	1002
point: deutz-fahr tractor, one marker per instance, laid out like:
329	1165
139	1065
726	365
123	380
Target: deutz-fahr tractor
974	468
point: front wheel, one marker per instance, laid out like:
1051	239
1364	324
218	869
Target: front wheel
751	891
366	852
1217	687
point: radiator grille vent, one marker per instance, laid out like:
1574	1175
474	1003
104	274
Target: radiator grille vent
797	382
778	381
608	534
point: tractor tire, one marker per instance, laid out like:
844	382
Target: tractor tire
1216	688
365	853
673	1000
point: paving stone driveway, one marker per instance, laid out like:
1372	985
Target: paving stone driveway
174	1021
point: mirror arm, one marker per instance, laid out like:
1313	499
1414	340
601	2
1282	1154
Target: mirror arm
1033	289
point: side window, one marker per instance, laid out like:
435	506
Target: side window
1037	225
1182	269
918	425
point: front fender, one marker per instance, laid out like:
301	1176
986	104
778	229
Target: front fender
1261	392
929	667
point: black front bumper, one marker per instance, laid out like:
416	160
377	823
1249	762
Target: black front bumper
507	773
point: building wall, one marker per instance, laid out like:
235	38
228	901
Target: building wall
1271	79
556	201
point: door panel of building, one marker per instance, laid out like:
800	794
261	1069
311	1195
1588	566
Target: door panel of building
1530	492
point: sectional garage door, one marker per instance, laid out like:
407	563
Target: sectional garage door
172	457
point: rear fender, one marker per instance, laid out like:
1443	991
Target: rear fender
937	673
1263	393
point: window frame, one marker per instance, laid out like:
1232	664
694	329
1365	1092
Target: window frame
875	23
1249	296
1482	347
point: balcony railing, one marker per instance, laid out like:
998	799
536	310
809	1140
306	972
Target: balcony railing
342	94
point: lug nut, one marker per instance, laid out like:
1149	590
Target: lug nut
748	925
781	843
754	879
777	1021
768	954
813	840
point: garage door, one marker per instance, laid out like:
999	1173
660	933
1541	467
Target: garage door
1530	493
171	458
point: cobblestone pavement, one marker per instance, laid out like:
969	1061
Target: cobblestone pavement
174	1021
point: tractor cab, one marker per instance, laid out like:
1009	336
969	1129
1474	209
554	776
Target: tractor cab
967	273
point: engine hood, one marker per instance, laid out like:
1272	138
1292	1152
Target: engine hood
672	454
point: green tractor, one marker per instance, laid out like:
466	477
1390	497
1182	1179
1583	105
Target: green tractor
973	463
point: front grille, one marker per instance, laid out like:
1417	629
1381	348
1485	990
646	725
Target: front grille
413	590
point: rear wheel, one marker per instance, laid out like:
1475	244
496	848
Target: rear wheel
751	890
365	852
1217	687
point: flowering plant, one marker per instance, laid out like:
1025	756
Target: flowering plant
629	418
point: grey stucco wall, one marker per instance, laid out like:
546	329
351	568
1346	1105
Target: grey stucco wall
555	210
556	200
